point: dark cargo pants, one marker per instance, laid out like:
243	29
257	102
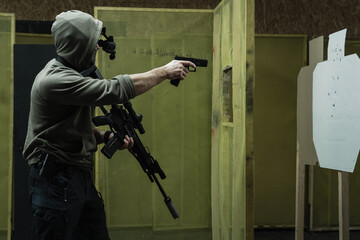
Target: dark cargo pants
66	205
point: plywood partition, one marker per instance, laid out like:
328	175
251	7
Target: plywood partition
177	121
232	131
278	60
7	38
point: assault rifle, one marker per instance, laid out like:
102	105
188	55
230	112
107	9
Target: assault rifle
123	121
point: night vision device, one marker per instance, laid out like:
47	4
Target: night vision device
108	45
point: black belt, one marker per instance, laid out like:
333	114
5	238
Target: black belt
48	166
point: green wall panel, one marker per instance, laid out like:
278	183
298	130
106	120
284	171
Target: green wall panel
232	132
7	31
222	139
176	120
278	61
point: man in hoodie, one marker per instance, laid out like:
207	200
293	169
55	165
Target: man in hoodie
61	139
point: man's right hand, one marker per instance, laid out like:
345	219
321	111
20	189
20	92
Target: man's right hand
178	69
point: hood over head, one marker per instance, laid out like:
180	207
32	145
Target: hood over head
75	35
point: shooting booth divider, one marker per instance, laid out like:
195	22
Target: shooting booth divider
177	122
278	59
7	39
232	121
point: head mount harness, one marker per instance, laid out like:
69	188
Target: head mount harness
108	45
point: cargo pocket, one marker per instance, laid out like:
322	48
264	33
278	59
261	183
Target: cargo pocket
60	186
49	223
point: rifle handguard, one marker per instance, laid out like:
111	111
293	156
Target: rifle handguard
100	121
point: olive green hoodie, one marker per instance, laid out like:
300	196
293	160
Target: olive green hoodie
62	100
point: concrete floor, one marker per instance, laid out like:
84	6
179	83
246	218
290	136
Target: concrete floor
206	234
290	235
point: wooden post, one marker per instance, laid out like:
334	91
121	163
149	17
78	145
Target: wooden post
343	185
10	218
300	196
311	196
249	9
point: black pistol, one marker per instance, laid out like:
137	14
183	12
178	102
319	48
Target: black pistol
198	62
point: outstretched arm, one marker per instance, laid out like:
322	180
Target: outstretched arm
173	70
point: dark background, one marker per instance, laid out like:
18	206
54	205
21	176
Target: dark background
310	17
28	61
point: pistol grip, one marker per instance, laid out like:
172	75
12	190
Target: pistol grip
175	82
